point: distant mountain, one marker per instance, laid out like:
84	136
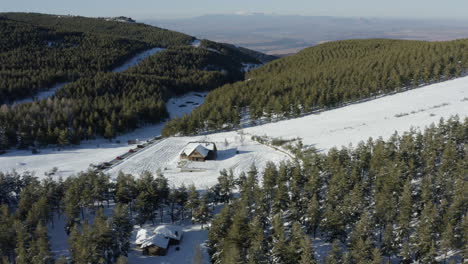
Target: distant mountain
275	34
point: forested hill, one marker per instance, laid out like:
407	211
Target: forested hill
324	76
38	51
134	31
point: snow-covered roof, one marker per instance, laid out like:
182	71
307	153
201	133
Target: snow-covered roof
158	240
142	236
159	236
171	231
201	147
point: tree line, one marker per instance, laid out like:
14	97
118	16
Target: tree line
327	75
401	200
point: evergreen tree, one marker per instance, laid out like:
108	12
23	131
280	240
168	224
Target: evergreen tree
307	251
202	213
335	254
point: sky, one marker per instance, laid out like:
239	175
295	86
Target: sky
139	9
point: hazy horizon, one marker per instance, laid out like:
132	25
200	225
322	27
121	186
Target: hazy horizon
144	9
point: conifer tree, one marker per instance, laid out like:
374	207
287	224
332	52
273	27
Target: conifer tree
192	200
279	250
335	255
313	215
202	213
40	247
307	251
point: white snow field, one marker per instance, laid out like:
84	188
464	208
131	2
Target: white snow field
338	127
137	59
237	155
73	159
381	117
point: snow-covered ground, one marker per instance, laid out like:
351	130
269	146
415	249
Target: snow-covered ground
381	117
196	43
342	126
238	154
73	159
137	59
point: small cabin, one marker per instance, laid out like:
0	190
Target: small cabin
199	151
156	242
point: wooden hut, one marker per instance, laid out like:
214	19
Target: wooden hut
199	151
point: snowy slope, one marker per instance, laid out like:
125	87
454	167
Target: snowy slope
74	159
343	126
380	117
236	155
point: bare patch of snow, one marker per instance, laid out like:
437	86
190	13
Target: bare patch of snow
137	59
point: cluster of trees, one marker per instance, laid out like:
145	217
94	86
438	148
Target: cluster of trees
327	75
402	200
196	69
104	105
96	232
35	58
29	207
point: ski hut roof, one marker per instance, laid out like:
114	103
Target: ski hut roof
158	240
201	147
142	236
159	236
170	231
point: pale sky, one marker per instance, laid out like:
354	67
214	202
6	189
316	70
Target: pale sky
440	9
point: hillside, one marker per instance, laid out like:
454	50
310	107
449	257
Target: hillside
38	51
324	76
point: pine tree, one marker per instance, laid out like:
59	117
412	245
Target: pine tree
4	143
279	250
23	240
40	247
256	253
144	207
122	227
335	255
202	213
376	256
405	209
193	200
63	138
307	251
313	215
